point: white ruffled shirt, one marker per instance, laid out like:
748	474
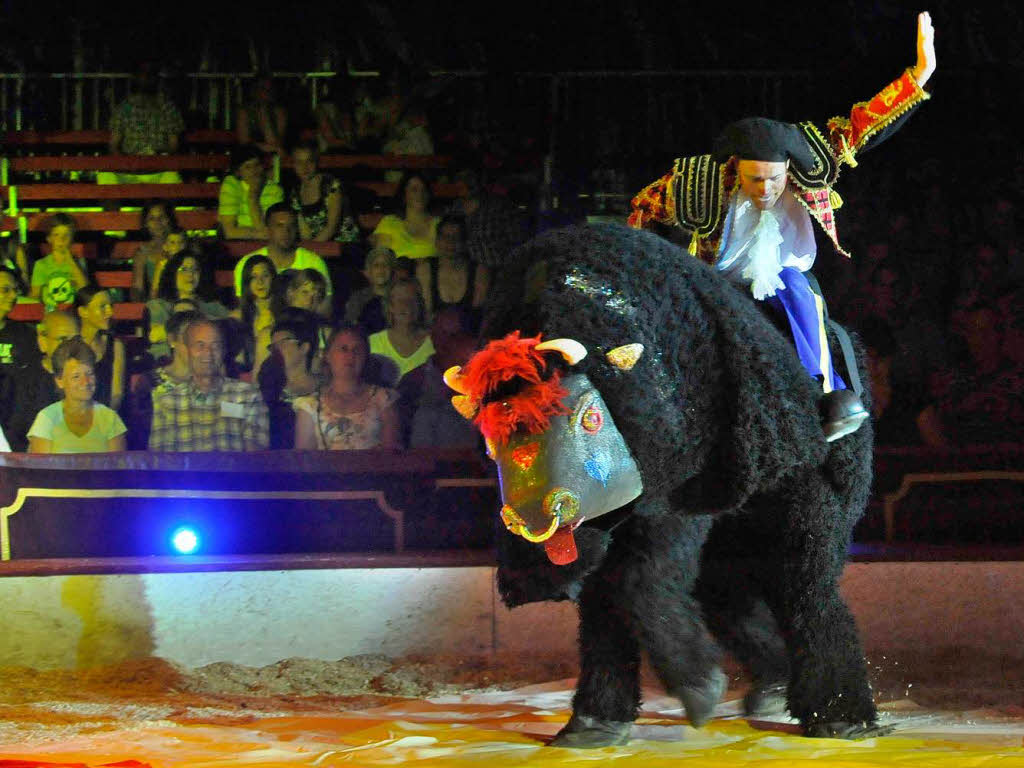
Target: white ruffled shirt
756	245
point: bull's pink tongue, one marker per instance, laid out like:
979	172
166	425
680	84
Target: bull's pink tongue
561	547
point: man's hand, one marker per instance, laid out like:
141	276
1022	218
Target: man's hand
925	49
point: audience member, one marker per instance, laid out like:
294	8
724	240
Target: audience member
494	226
434	422
335	116
318	199
255	311
158	222
145	123
365	306
348	412
95	310
177	242
57	276
290	371
36	386
410	231
12	257
406	340
182	279
77	423
452	280
284	252
208	412
245	195
261	120
298	288
18	348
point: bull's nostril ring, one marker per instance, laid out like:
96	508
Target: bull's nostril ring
538	537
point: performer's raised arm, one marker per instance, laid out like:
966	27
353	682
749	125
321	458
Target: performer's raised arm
925	49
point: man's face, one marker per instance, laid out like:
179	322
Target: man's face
282	230
205	349
763	182
52	330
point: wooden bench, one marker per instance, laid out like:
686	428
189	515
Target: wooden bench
102	221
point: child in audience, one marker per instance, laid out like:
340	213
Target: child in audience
177	242
57	276
77	423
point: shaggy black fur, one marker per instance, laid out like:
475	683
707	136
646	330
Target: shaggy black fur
740	487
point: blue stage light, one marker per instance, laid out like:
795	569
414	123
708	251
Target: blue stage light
185	541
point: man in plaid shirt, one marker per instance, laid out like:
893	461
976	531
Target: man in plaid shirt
208	412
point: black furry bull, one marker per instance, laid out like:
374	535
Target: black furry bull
723	423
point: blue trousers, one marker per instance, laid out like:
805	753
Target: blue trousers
805	311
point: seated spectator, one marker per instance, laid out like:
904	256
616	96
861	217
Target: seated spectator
173	371
335	116
255	311
77	423
182	279
58	275
397	118
290	371
36	386
979	400
245	195
452	280
261	120
365	306
410	231
348	412
12	257
494	226
145	123
434	422
299	288
283	250
406	340
158	222
318	199
95	310
208	412
177	242
18	350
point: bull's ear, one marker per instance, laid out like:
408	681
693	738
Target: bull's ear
466	407
624	357
570	349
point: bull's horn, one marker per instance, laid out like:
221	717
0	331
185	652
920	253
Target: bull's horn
570	349
624	357
467	408
453	378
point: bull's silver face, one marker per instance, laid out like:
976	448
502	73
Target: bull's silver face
579	469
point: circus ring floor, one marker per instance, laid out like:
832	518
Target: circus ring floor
432	671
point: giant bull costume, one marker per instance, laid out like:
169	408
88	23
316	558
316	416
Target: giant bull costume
635	401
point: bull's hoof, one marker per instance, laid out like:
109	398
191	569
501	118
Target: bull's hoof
844	730
585	732
700	702
765	699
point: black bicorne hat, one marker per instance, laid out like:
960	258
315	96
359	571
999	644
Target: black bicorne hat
758	138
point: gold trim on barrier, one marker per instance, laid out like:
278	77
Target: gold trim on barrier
24	494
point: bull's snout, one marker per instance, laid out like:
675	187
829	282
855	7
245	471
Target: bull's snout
560	506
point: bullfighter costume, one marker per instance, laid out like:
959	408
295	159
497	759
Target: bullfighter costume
770	250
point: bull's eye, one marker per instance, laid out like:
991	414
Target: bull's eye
592	419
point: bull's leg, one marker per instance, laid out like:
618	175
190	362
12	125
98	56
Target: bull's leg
658	584
829	691
608	691
744	626
731	592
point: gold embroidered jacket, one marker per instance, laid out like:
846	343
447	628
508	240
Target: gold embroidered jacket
695	194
